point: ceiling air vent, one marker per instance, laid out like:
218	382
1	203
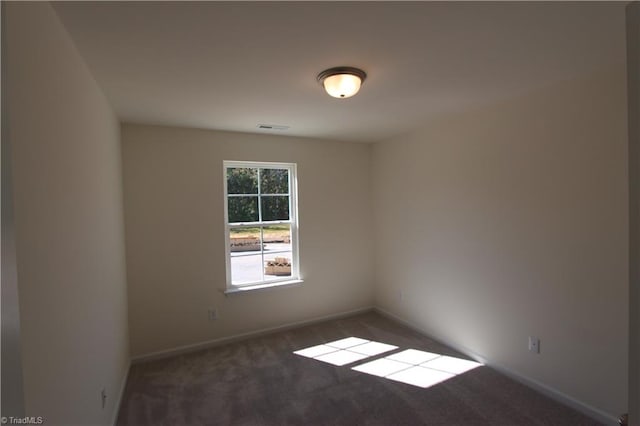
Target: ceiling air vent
272	127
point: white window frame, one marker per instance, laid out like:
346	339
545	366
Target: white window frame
294	278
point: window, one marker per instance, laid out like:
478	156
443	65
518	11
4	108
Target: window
261	224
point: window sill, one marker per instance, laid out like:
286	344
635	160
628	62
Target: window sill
258	287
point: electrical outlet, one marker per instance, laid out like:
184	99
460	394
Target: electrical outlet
534	345
103	396
213	314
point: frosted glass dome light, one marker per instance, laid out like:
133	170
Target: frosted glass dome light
342	82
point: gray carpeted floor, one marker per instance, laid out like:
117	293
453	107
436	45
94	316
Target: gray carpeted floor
261	381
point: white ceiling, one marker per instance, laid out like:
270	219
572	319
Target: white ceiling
234	65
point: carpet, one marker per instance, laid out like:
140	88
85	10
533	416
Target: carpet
261	381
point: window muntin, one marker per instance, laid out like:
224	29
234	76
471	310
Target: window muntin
261	223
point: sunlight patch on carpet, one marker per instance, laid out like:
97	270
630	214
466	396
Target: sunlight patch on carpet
345	351
418	368
411	366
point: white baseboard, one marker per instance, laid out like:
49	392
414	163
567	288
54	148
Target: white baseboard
552	393
243	336
123	385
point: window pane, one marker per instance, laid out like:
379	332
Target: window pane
275	208
277	251
274	181
242	181
242	209
277	237
246	269
244	239
277	266
246	255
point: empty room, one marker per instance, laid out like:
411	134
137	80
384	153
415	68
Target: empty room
320	213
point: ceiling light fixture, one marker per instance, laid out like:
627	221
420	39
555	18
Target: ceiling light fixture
342	82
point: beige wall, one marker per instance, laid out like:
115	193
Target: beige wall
633	85
175	234
511	221
69	225
12	403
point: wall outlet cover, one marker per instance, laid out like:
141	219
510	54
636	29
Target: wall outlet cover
534	344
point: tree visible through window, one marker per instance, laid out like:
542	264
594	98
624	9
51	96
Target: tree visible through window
261	223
